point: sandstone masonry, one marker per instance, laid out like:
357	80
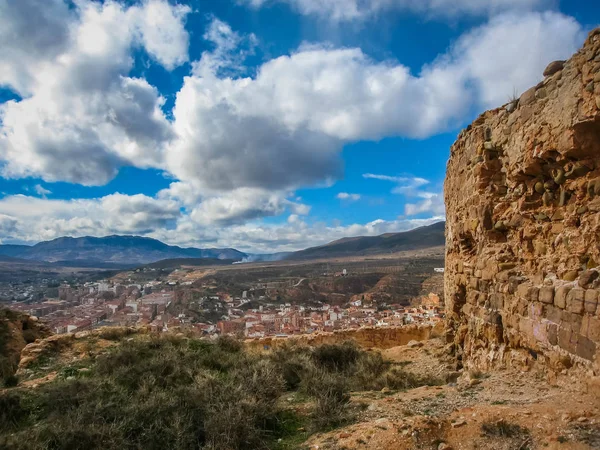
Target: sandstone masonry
523	224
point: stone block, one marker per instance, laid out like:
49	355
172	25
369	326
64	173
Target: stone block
587	277
591	301
497	301
523	289
573	321
592	330
575	299
586	348
552	313
472	297
483	285
473	283
488	273
526	328
570	275
546	294
552	331
567	340
560	297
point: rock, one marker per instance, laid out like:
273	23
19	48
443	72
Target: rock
527	97
587	277
444	446
554	67
570	275
459	423
344	435
415	344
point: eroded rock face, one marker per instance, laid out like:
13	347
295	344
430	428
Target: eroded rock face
523	224
368	338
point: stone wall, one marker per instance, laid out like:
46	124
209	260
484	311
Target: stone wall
523	224
368	338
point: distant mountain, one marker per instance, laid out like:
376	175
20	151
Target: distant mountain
417	239
113	249
13	250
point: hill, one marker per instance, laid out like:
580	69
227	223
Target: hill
417	239
112	249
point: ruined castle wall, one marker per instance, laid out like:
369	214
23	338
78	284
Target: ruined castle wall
523	224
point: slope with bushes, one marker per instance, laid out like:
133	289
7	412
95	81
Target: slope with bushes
151	392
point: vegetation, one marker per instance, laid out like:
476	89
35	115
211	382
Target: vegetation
504	429
173	392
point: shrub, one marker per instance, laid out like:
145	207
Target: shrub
11	410
331	394
152	393
11	381
29	336
501	428
336	357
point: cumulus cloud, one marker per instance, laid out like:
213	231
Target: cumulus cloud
82	117
31	219
285	126
40	190
347	10
242	205
348	196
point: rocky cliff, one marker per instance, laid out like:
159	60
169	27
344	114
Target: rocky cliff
523	225
16	331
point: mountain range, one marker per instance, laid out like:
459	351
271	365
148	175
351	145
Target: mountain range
417	239
112	249
133	250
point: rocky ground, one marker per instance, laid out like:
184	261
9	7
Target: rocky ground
501	410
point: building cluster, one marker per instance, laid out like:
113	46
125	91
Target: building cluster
163	305
104	304
277	320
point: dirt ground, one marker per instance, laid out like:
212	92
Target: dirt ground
504	410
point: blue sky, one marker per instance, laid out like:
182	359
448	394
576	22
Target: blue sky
265	125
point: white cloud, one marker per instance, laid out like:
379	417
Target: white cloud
412	187
294	234
346	10
242	205
40	190
32	219
162	33
348	196
82	117
432	203
285	127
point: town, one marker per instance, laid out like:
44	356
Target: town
200	302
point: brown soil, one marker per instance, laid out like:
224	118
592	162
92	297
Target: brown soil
503	410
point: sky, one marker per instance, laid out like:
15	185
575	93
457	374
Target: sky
263	125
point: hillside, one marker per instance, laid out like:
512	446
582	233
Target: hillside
113	249
417	239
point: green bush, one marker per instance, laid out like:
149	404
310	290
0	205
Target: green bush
152	393
337	358
331	392
157	392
